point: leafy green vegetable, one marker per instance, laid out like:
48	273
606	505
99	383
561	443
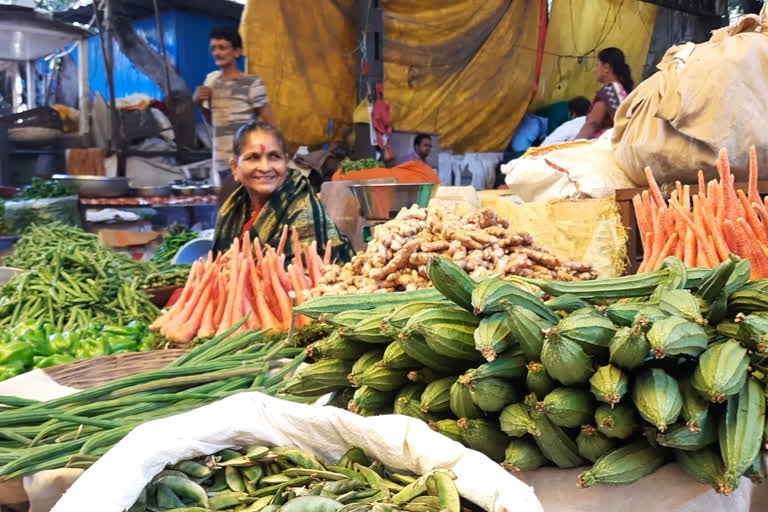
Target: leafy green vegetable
359	165
44	189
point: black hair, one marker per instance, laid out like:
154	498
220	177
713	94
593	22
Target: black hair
228	33
615	58
578	106
255	126
420	137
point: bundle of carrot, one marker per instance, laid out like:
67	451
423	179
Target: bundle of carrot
703	229
247	281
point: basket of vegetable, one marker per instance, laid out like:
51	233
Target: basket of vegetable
93	372
42	202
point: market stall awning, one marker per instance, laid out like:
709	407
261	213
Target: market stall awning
28	35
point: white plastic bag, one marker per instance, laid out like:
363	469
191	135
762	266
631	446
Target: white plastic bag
114	482
567	171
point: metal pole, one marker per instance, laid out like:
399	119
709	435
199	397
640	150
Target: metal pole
84	93
107	48
15	93
31	96
161	37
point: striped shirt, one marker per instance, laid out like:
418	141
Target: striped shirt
234	102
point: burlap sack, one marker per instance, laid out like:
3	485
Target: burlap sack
704	97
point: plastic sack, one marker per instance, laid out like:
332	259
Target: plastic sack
115	481
573	170
703	98
22	214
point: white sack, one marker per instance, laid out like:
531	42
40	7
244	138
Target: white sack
114	482
587	170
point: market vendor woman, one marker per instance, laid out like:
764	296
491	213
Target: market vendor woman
271	196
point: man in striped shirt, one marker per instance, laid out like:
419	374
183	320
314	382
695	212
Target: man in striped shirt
229	98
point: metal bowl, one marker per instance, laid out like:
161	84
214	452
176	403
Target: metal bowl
151	191
95	186
192	190
382	201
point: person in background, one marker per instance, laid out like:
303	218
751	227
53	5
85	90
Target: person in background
577	116
612	71
270	196
229	98
422	147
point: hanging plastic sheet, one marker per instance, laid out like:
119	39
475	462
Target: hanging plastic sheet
577	31
304	53
461	68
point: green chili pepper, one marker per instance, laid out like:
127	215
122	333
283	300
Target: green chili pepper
54	360
16	351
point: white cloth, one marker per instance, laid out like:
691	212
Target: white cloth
566	132
115	481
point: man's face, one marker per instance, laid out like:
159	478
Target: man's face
423	148
224	53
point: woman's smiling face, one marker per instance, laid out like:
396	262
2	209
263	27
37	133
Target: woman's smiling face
261	166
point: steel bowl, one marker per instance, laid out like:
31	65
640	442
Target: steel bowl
382	201
151	191
191	190
95	186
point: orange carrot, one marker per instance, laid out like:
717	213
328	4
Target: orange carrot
648	207
329	250
206	327
751	217
702	185
712	195
656	194
282	275
317	263
679	251
763	213
647	256
238	285
280	294
689	253
296	249
659	237
221	301
259	253
667	250
701	235
679	191
754	195
730	237
721	210
246	248
721	247
187	330
750	250
227	319
283	239
266	317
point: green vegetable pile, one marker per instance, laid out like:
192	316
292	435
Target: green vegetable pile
171	244
359	165
627	373
73	281
44	189
173	275
289	479
75	430
33	344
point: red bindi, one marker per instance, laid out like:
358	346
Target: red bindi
263	148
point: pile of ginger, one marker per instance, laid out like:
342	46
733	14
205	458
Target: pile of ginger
481	243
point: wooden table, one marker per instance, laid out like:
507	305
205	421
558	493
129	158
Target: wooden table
627	212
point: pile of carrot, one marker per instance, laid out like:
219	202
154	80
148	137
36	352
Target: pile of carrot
247	281
703	229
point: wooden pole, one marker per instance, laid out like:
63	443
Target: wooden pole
84	92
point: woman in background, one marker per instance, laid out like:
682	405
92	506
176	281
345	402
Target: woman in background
612	71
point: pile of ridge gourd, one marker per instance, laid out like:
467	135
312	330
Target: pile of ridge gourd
627	373
289	479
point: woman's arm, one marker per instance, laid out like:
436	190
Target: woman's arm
594	121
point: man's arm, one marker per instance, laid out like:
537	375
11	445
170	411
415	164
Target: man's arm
266	115
203	94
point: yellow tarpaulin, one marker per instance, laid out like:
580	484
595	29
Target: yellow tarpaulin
579	28
464	69
304	53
